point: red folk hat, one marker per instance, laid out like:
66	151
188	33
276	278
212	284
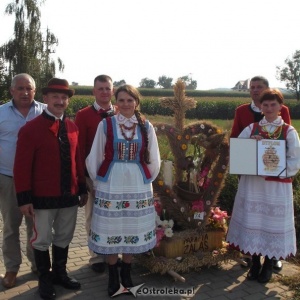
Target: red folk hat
58	85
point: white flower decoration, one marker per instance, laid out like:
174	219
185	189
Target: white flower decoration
165	223
158	220
168	232
171	223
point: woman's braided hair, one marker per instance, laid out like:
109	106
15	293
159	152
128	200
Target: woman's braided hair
133	92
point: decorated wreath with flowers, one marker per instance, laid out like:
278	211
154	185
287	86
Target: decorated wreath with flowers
199	177
188	206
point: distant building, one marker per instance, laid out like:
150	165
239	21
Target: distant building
74	83
242	85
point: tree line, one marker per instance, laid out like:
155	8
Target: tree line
164	82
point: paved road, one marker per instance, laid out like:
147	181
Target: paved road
227	281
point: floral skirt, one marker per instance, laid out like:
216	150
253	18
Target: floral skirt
123	219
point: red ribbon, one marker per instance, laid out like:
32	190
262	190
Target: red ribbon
58	87
54	127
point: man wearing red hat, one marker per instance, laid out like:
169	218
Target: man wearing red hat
50	185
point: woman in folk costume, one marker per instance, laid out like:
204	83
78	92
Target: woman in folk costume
262	222
123	162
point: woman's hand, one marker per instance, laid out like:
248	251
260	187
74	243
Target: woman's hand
256	137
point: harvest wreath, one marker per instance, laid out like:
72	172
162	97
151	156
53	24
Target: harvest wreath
190	199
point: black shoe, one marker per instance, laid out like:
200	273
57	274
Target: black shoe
113	280
43	264
252	275
266	272
255	268
277	265
265	276
125	275
60	276
46	288
98	267
67	282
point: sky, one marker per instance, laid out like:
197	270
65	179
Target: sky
215	42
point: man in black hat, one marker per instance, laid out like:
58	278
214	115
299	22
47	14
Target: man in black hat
50	184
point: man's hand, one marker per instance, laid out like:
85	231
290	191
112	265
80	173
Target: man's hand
27	210
83	200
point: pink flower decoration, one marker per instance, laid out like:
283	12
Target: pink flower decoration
198	205
201	182
160	232
206	184
218	216
157	206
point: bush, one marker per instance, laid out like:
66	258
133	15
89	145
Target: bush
78	103
296	191
294	108
206	108
227	195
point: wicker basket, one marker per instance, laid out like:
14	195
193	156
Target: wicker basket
179	246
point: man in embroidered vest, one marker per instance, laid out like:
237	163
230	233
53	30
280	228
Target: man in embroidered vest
13	115
50	185
87	120
246	114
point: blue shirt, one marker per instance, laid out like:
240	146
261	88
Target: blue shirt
11	120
